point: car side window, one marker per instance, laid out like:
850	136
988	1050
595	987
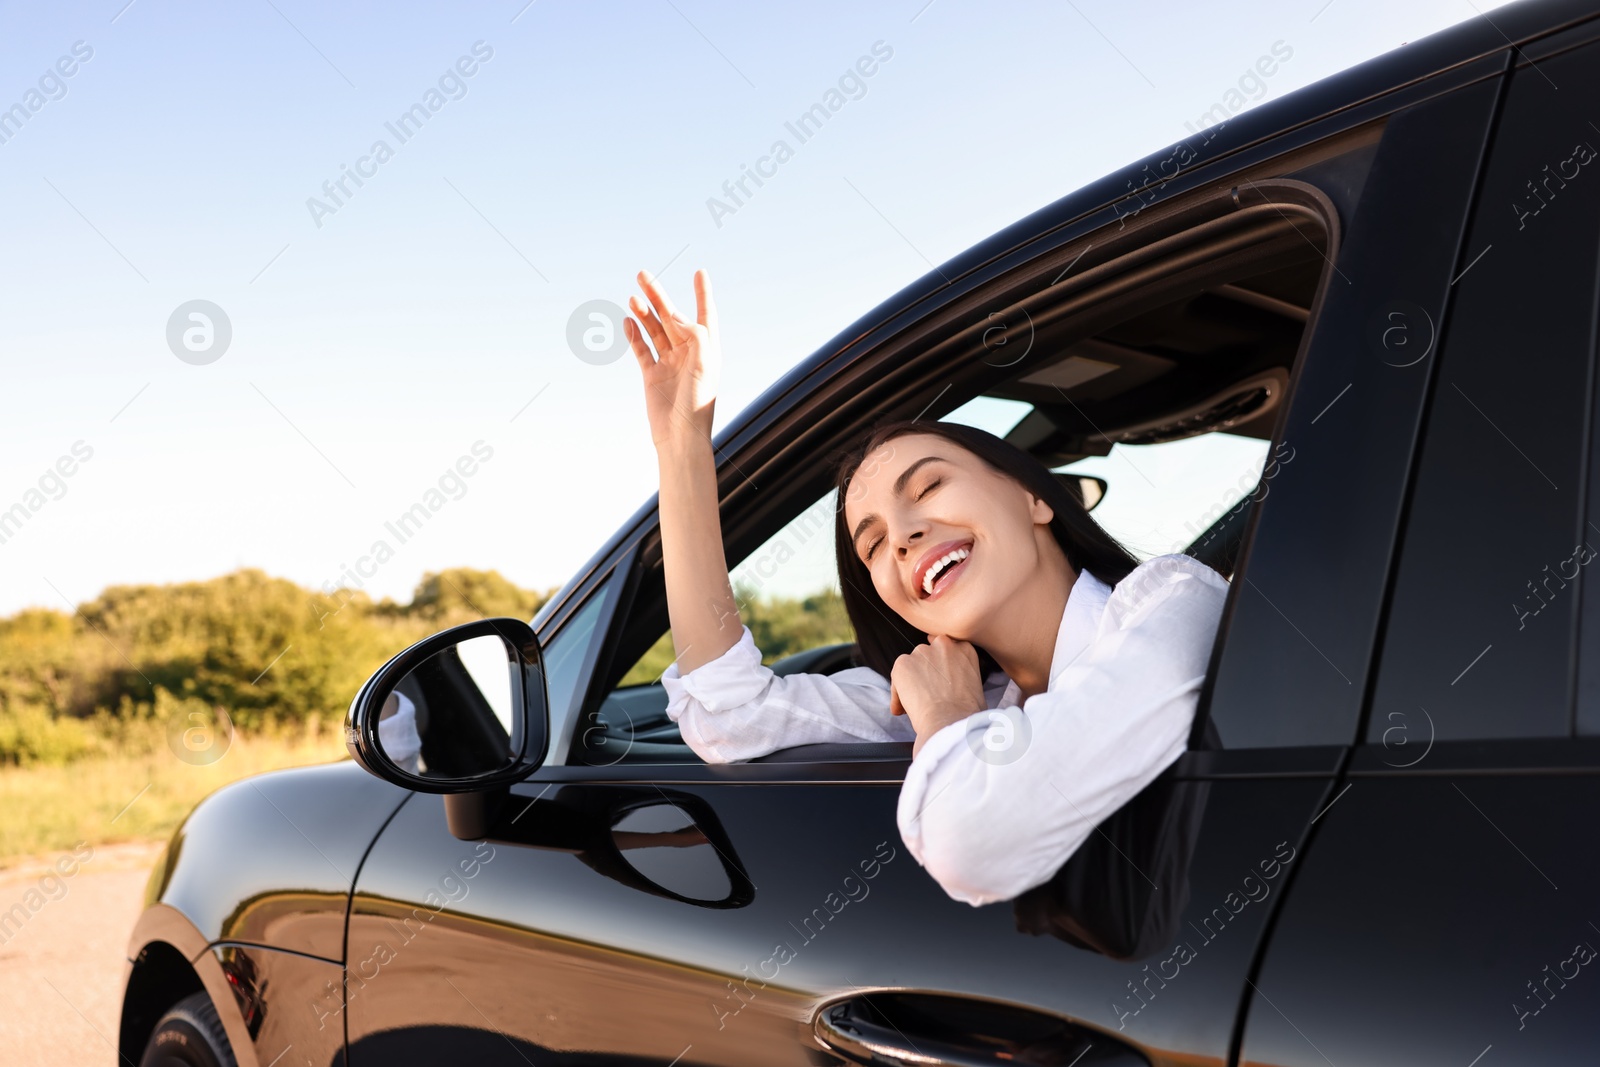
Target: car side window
1481	632
1177	496
1189	494
787	592
788	589
1161	416
567	662
1174	496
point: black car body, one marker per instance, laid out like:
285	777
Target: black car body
1378	848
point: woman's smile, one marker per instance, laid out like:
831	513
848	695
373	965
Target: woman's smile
938	567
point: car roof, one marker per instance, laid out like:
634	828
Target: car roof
1455	46
1484	35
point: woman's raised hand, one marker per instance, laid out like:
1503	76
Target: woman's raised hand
680	376
680	389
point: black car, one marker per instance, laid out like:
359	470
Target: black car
1382	289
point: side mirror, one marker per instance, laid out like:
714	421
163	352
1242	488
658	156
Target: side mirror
463	711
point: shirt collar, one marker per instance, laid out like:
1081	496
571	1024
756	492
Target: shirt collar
1086	602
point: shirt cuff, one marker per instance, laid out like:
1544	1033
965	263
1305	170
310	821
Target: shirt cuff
736	677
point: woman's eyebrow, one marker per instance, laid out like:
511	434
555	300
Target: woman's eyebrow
899	487
855	538
905	475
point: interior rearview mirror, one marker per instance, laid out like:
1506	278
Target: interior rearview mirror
1086	488
459	712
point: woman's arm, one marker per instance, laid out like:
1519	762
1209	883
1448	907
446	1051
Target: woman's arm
988	829
728	705
736	708
680	388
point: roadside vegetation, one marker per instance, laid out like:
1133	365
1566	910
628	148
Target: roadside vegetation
117	718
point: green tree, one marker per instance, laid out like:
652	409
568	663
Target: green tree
265	650
261	648
459	594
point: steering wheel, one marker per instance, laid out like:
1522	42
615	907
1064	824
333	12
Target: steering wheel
825	659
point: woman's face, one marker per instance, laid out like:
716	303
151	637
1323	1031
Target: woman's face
949	540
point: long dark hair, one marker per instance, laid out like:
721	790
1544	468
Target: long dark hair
883	636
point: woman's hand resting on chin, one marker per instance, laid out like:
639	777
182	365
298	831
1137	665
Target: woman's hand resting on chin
935	685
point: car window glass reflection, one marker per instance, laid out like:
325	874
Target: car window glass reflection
485	660
564	658
450	716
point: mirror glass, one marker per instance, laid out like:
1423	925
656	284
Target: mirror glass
452	715
662	842
1087	490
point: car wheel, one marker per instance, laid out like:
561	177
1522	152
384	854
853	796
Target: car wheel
190	1034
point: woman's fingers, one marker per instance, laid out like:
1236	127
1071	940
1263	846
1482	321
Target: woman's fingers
670	319
895	707
641	351
705	306
652	325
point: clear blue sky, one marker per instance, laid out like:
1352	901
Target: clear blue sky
370	352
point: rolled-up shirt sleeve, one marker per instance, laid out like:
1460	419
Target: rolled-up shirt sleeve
734	707
986	828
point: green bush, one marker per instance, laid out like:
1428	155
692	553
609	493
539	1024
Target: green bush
31	735
139	663
780	626
116	673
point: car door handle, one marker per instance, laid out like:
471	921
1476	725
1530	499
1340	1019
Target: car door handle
939	1030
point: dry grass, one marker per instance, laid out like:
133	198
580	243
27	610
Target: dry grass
141	795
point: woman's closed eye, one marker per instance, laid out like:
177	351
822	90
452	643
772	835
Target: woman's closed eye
924	491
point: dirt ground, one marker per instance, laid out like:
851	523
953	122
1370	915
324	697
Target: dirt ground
61	969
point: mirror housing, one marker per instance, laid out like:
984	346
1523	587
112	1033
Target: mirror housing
529	711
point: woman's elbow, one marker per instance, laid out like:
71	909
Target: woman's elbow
711	754
708	749
974	863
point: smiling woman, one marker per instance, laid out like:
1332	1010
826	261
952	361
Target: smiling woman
997	626
1017	535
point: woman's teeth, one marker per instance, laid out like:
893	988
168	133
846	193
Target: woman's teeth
940	565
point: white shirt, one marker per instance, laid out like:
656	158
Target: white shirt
994	804
397	734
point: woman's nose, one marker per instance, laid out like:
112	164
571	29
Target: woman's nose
910	542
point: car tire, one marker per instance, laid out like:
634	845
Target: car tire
190	1034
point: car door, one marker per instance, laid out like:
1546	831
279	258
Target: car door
1449	908
745	908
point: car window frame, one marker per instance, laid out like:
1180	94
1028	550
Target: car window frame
891	757
787	401
1389	723
605	580
1402	242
